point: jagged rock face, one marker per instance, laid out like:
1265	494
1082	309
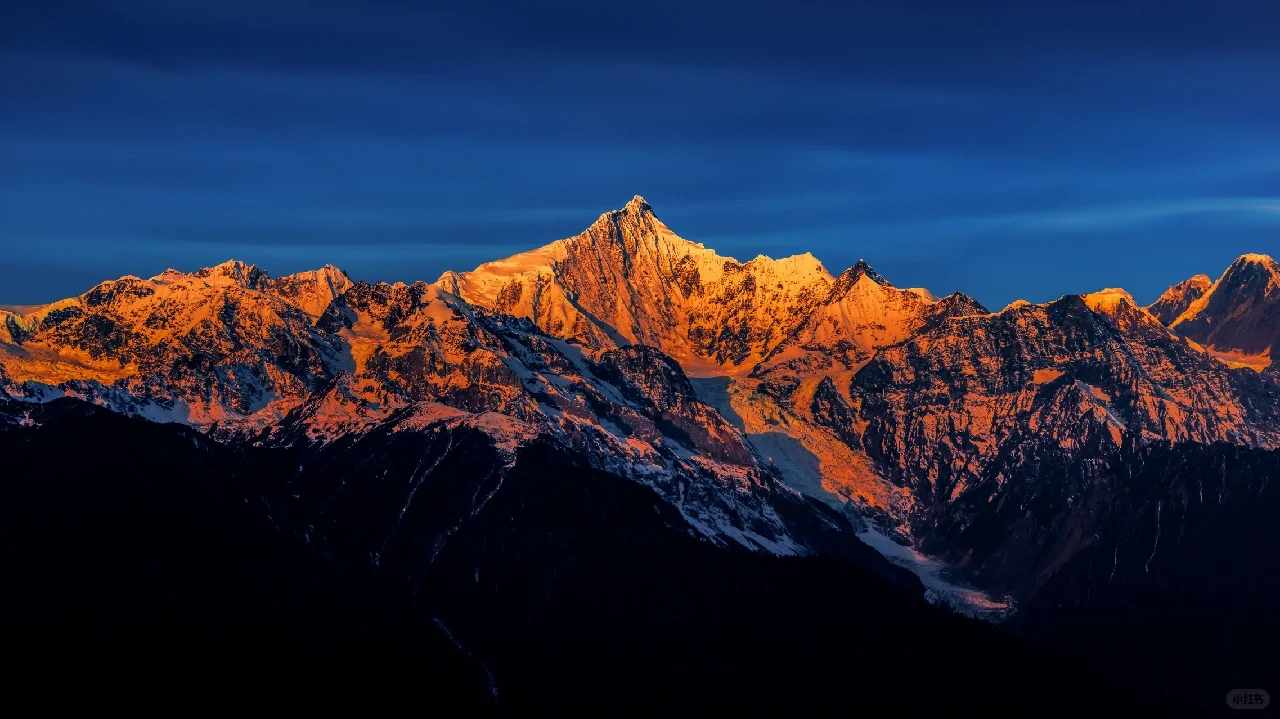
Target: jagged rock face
418	356
219	343
413	343
313	291
225	350
861	314
968	402
417	343
1240	312
654	381
849	388
629	280
1179	298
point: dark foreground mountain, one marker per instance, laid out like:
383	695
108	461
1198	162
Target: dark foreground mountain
152	563
141	569
1158	565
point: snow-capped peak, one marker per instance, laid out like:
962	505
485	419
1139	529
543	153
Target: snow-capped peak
850	277
1109	294
1250	269
1240	312
233	272
628	279
1256	258
1108	300
233	267
313	290
637	204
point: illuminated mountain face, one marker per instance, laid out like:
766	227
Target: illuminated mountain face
740	391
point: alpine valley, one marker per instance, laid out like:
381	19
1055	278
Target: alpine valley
622	469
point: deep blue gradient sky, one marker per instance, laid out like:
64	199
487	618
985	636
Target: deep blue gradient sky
1006	149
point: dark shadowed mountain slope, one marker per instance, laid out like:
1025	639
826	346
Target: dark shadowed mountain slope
569	586
140	566
1240	312
1174	582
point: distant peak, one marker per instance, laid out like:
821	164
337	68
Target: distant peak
1195	285
850	277
1253	258
958	303
637	205
923	292
328	270
241	273
169	275
1112	292
1251	267
861	269
862	266
1179	298
235	267
637	208
1249	273
1109	300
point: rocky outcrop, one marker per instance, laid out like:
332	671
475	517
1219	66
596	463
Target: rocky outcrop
861	314
951	408
216	345
1179	298
1240	312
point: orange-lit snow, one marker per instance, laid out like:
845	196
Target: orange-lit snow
629	279
762	336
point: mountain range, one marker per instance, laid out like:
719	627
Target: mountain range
1001	462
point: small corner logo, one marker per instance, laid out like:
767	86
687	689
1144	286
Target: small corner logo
1248	699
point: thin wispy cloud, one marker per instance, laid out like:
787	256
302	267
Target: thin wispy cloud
1254	209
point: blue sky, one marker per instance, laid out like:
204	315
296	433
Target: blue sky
1005	149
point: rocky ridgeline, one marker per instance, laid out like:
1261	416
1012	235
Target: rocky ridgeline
845	387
